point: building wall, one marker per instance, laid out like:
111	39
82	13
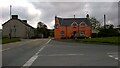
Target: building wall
21	30
29	32
69	31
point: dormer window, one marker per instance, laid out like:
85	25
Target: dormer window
74	24
83	25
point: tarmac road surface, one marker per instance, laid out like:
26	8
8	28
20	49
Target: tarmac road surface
47	52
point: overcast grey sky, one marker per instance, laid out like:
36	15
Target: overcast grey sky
35	11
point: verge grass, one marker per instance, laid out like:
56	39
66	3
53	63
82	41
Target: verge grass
8	40
114	40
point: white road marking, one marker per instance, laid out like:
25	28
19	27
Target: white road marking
116	58
114	55
5	49
31	60
40	50
34	57
62	55
48	41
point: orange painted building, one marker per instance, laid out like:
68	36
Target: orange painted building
72	27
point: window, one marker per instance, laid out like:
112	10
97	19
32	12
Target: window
82	25
74	24
82	33
62	33
56	25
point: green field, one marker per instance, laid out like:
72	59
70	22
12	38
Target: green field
8	40
113	40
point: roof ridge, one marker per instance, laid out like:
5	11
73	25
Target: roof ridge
68	21
25	23
74	18
20	21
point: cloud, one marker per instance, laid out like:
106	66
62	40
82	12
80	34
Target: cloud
80	9
26	11
45	11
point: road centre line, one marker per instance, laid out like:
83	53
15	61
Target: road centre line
34	57
48	41
30	61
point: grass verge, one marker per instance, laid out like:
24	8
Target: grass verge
8	40
113	40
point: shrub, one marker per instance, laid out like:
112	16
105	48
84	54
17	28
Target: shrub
108	33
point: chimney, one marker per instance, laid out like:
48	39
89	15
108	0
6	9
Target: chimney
104	21
14	16
25	21
74	16
87	16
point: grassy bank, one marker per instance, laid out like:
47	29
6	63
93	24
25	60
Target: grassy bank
8	40
113	40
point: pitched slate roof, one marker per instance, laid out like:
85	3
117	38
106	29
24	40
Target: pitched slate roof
26	24
69	21
21	22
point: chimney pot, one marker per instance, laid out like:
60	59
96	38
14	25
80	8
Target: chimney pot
14	16
25	21
74	16
87	15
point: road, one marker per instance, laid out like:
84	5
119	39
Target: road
47	52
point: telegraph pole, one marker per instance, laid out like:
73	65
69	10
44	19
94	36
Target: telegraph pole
10	10
10	34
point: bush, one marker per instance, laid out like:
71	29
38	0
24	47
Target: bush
108	33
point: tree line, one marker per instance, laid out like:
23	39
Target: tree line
107	30
42	31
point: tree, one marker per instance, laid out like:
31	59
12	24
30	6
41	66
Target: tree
108	32
42	30
40	24
51	31
95	23
111	26
118	26
95	26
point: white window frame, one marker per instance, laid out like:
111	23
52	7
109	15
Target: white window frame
81	25
62	33
74	23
